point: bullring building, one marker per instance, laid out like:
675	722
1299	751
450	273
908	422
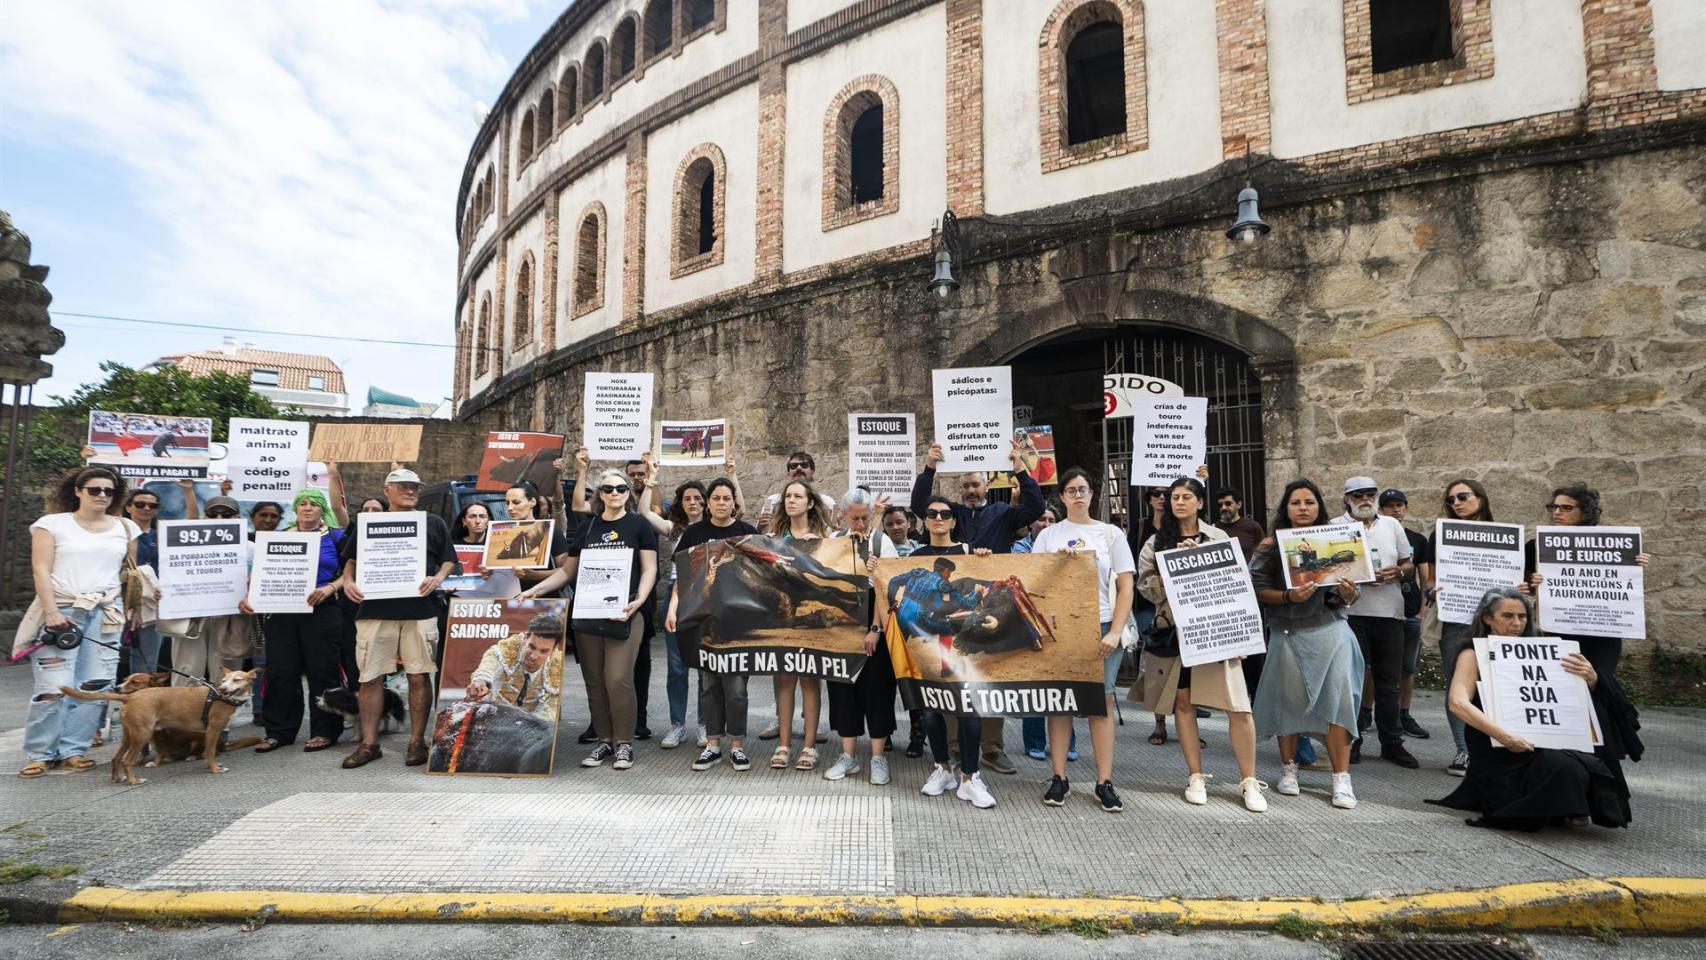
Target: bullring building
1481	248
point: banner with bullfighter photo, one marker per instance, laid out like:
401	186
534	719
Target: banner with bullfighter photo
759	605
1006	635
510	458
500	689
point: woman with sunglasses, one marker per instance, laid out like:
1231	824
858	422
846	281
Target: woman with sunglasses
607	648
1578	505
525	503
802	516
78	556
1464	499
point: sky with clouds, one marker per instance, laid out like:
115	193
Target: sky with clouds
267	165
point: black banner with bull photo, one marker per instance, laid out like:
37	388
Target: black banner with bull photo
758	605
1007	635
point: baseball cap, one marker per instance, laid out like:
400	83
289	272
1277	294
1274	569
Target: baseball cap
1393	496
402	475
225	502
1361	483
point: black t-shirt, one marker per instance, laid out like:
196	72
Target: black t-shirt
704	532
629	530
927	550
439	551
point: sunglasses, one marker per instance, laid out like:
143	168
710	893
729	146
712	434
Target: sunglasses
799	465
221	514
1157	493
99	491
1561	507
613	488
1362	494
145	505
938	514
1459	497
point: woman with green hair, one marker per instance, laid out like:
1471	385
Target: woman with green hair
307	645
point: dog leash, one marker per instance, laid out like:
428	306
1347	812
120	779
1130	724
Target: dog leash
113	646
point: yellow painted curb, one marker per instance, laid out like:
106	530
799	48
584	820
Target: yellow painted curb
1636	904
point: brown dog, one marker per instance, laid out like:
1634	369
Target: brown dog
175	708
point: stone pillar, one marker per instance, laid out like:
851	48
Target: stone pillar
1242	29
965	107
548	271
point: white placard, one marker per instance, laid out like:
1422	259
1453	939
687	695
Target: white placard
1169	439
882	452
1213	602
285	569
601	583
390	559
268	459
1471	558
1532	696
204	567
974	417
616	421
1121	390
1592	585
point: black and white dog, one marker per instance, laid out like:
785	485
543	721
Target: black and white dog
345	701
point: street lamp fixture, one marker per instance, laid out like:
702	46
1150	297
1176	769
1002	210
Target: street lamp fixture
1249	226
944	247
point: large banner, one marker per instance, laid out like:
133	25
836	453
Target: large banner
761	605
499	692
1007	635
204	567
510	458
1592	585
1471	558
150	446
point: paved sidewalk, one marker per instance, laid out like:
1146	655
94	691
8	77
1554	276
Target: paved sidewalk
291	821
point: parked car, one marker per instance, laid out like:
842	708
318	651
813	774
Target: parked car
447	498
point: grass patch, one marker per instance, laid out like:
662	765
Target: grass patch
1089	929
171	920
1295	927
62	871
20	830
12	871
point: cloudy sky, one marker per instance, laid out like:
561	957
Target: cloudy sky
267	165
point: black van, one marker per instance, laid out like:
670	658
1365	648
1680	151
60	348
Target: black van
447	498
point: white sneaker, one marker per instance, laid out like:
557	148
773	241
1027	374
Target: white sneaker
703	740
1196	789
879	771
1459	765
673	738
975	793
1343	798
940	780
1287	786
1253	799
843	765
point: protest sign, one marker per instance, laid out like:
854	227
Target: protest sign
469	583
1120	392
691	443
366	442
1532	696
268	459
882	450
285	568
499	692
601	583
390	560
974	417
1325	554
764	605
1007	635
1213	601
510	458
1169	438
204	568
1471	558
1591	585
518	544
150	446
1036	451
616	423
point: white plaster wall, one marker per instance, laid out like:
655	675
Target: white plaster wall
529	236
804	13
1679	43
1184	106
912	54
484	283
702	56
606	184
732	124
1538	67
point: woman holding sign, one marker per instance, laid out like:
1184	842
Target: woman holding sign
1517	786
803	517
1577	505
1219	685
1314	670
524	503
1465	499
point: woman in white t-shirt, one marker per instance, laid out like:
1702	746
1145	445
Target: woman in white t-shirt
1077	533
77	556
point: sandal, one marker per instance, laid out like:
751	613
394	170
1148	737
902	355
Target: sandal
807	760
1159	737
362	756
33	769
78	764
779	759
316	743
267	746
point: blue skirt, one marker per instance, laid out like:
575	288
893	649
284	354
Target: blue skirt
1312	680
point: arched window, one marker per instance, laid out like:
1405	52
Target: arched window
1092	82
524	144
865	155
861	152
483	338
491	186
1095	83
700	13
699	210
521	327
659	30
547	116
592	79
588	288
622	44
567	95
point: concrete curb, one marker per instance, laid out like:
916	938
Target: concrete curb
1651	905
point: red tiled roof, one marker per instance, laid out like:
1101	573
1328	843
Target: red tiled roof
293	368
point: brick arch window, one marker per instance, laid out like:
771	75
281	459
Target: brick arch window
524	142
861	152
547	116
483	338
592	74
1093	84
700	184
623	45
658	30
568	98
521	328
489	193
699	13
587	290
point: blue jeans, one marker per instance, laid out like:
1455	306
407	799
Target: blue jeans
145	655
57	727
675	681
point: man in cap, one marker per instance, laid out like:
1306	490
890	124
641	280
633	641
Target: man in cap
402	628
1378	617
1394	504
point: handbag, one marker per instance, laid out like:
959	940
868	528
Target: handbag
1162	641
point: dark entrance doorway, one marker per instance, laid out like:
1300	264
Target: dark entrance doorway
1061	382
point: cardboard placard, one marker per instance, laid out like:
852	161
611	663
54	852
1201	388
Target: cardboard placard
366	442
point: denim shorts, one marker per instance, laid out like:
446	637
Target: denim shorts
1111	663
